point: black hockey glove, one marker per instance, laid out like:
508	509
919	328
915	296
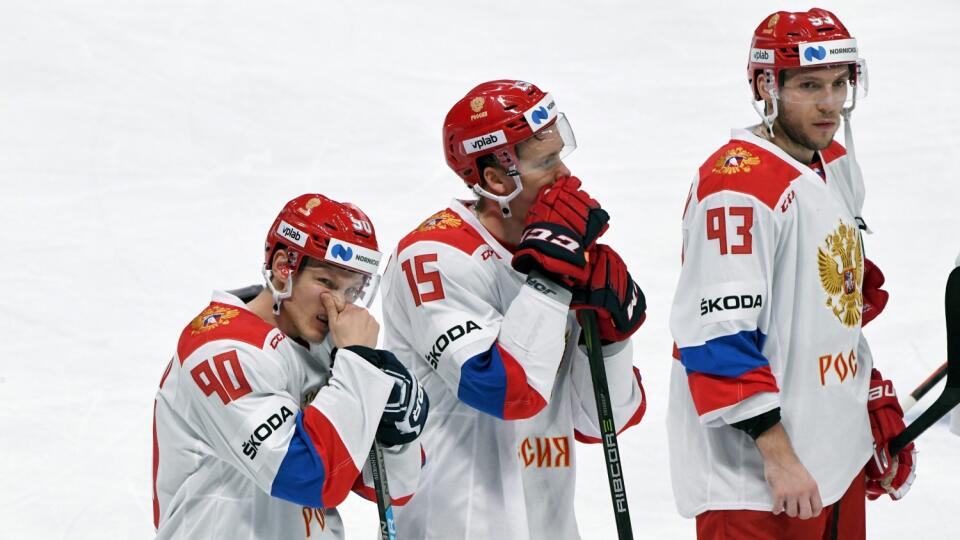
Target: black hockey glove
406	411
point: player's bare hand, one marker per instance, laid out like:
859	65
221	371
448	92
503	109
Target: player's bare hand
349	324
794	489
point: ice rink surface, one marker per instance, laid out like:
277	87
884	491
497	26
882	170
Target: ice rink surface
145	147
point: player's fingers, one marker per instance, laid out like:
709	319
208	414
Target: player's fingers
817	503
792	507
777	505
330	306
805	508
357	314
340	301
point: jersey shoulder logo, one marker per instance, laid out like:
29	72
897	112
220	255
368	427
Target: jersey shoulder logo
735	160
841	274
211	318
442	220
445	227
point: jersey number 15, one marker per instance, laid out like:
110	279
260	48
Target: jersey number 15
423	277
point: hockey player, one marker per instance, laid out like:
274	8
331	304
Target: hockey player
267	411
478	304
776	413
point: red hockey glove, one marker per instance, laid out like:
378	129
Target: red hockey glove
887	475
564	203
874	298
618	301
561	225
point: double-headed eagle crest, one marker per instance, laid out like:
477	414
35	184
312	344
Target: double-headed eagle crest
441	220
734	161
212	317
841	274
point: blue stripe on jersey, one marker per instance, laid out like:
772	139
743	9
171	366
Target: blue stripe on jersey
726	356
302	472
483	382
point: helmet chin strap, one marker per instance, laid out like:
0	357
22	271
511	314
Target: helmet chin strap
853	168
278	296
769	82
502	200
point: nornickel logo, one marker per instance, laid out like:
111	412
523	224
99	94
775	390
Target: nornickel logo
367	260
341	252
541	113
815	53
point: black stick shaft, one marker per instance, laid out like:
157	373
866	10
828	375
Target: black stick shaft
951	393
388	529
931	381
608	430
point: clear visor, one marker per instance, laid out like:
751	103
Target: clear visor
351	286
546	149
839	85
365	296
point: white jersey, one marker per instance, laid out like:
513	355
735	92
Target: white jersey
509	388
257	437
767	314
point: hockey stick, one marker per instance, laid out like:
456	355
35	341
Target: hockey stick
608	430
388	529
951	393
924	387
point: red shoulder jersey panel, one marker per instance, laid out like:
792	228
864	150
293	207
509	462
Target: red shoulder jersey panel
832	152
445	227
222	321
743	167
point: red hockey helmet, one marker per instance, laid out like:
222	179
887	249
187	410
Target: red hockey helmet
787	40
491	120
336	233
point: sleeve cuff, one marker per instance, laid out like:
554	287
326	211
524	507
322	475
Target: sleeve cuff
756	426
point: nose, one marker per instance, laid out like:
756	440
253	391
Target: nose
831	99
561	171
339	297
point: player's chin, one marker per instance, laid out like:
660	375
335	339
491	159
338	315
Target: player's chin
316	331
822	135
